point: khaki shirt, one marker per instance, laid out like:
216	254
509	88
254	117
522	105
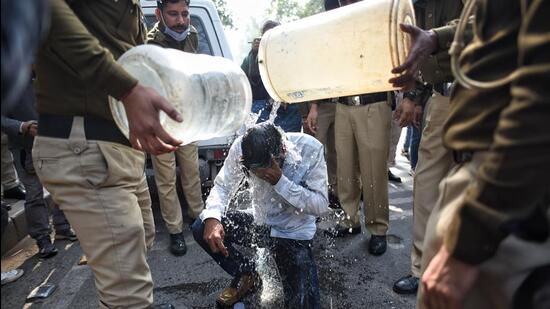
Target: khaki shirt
76	68
190	44
511	122
438	15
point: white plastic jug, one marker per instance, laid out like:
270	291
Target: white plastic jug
343	52
212	93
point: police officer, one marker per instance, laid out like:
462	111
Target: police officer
487	240
362	134
173	30
90	168
434	160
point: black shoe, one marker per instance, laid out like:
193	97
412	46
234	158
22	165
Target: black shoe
392	177
17	193
163	306
377	244
177	244
67	234
341	231
45	247
406	285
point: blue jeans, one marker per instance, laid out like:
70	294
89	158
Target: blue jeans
294	258
412	142
415	143
408	137
289	118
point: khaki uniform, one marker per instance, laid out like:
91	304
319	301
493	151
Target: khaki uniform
493	210
434	160
187	155
325	134
81	157
362	136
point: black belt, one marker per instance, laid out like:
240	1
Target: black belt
462	156
95	128
365	99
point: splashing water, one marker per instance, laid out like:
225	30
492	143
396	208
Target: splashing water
252	200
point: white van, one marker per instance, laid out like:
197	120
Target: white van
212	41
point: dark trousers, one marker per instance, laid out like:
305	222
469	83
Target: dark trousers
288	118
36	209
294	258
412	143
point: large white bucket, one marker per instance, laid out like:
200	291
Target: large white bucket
343	52
212	93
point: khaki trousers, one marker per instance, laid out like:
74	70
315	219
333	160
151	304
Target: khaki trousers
395	134
9	177
101	188
165	177
514	260
362	142
434	163
325	134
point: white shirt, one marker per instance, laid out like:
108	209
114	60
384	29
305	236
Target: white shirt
290	206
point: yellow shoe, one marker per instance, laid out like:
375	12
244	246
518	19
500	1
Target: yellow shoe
239	288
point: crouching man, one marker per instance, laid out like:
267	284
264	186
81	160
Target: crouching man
287	176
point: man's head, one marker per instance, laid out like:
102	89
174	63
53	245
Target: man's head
269	25
260	144
173	14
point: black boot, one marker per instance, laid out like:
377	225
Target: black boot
377	244
406	285
393	177
67	234
17	193
177	244
46	249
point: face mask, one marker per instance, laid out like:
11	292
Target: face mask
173	34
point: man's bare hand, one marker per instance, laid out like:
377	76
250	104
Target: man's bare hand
311	120
142	106
447	281
271	174
404	112
423	44
30	128
214	235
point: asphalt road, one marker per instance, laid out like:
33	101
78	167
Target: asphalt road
349	276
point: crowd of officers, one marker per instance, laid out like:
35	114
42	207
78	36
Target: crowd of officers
481	189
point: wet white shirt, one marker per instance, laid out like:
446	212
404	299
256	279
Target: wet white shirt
290	206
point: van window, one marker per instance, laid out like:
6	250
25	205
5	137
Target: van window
204	41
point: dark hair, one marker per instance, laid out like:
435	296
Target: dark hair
331	4
259	144
161	3
269	24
